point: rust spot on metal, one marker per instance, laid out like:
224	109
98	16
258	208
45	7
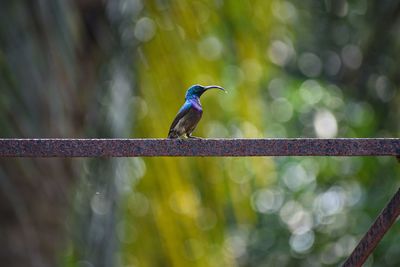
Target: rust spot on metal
375	233
198	147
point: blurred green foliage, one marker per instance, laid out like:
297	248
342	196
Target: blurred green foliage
292	69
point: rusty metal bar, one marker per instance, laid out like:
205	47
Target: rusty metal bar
375	233
199	147
54	147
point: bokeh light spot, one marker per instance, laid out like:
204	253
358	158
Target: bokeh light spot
310	65
332	63
325	124
280	53
296	217
206	219
267	200
384	88
329	203
284	11
301	243
311	92
295	177
352	56
100	204
331	254
210	48
281	110
216	129
185	202
145	29
235	244
131	7
276	88
138	204
140	106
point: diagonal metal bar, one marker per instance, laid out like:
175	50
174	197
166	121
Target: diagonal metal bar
375	233
199	147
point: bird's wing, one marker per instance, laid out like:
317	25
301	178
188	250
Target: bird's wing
181	113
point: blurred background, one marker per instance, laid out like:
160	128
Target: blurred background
120	68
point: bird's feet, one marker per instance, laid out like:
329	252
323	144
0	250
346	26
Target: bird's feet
192	137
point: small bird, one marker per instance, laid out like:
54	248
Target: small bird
190	113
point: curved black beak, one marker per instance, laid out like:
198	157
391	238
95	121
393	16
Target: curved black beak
215	87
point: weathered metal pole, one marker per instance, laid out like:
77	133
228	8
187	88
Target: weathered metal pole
375	233
225	148
199	147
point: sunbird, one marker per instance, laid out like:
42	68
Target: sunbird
190	113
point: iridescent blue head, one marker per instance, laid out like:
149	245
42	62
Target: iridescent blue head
197	90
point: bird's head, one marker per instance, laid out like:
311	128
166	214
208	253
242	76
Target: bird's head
197	90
